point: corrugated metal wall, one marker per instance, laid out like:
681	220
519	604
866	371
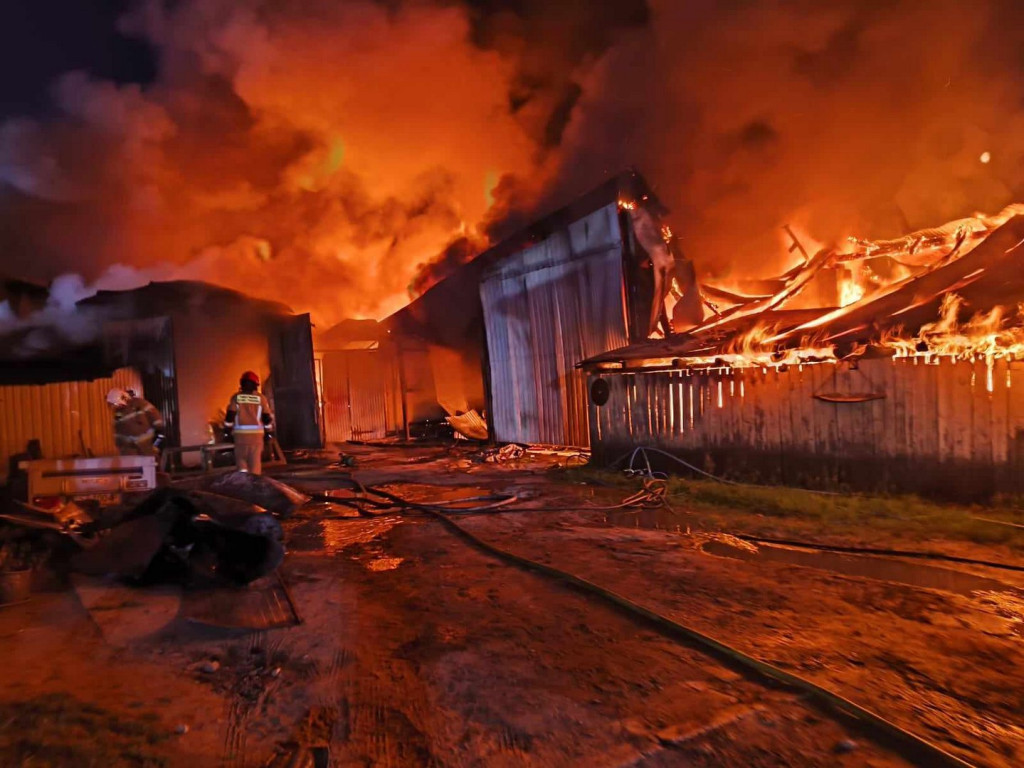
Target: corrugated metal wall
360	389
935	427
68	418
545	309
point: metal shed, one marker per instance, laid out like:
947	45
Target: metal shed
503	333
546	308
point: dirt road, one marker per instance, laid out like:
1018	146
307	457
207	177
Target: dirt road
416	649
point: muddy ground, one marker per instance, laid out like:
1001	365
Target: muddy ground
416	649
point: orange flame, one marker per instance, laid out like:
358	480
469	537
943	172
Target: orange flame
754	349
986	335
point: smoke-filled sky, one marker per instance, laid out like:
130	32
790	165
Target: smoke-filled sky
319	153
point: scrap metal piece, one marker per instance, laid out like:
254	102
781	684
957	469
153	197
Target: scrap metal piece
263	491
470	425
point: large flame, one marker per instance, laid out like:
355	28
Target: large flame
995	334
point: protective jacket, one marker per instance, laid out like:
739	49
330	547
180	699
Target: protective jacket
248	412
136	426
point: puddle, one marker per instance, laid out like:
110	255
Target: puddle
385	563
332	536
867	567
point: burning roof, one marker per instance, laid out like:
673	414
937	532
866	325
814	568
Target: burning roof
953	290
450	311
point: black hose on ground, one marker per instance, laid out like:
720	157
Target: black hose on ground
877	551
494	500
643	450
920	750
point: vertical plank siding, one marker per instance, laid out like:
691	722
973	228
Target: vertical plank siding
936	428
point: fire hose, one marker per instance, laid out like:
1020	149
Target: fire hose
653	494
643	450
922	751
878	551
915	747
647	472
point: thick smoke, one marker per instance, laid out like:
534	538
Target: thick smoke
852	117
323	154
314	153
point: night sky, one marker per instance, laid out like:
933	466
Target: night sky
41	39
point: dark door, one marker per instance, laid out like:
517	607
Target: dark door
147	345
293	381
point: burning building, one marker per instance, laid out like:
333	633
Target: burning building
182	344
910	380
503	334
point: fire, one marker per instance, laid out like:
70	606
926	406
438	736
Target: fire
993	335
798	240
851	286
755	349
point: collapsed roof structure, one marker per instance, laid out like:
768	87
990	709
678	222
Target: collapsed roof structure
896	289
907	380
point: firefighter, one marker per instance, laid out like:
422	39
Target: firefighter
248	423
138	425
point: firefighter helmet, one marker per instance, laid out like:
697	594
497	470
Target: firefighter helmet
250	376
117	397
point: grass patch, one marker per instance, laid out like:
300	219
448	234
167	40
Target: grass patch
778	508
907	516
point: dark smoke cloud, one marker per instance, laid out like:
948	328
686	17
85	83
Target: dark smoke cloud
842	118
324	153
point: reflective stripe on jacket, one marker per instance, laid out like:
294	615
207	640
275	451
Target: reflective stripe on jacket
250	410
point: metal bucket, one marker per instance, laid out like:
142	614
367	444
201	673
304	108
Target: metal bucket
15	586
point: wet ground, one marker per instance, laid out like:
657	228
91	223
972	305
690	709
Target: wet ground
415	649
885	569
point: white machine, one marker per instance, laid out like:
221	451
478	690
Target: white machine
103	481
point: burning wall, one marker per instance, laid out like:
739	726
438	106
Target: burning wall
915	386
